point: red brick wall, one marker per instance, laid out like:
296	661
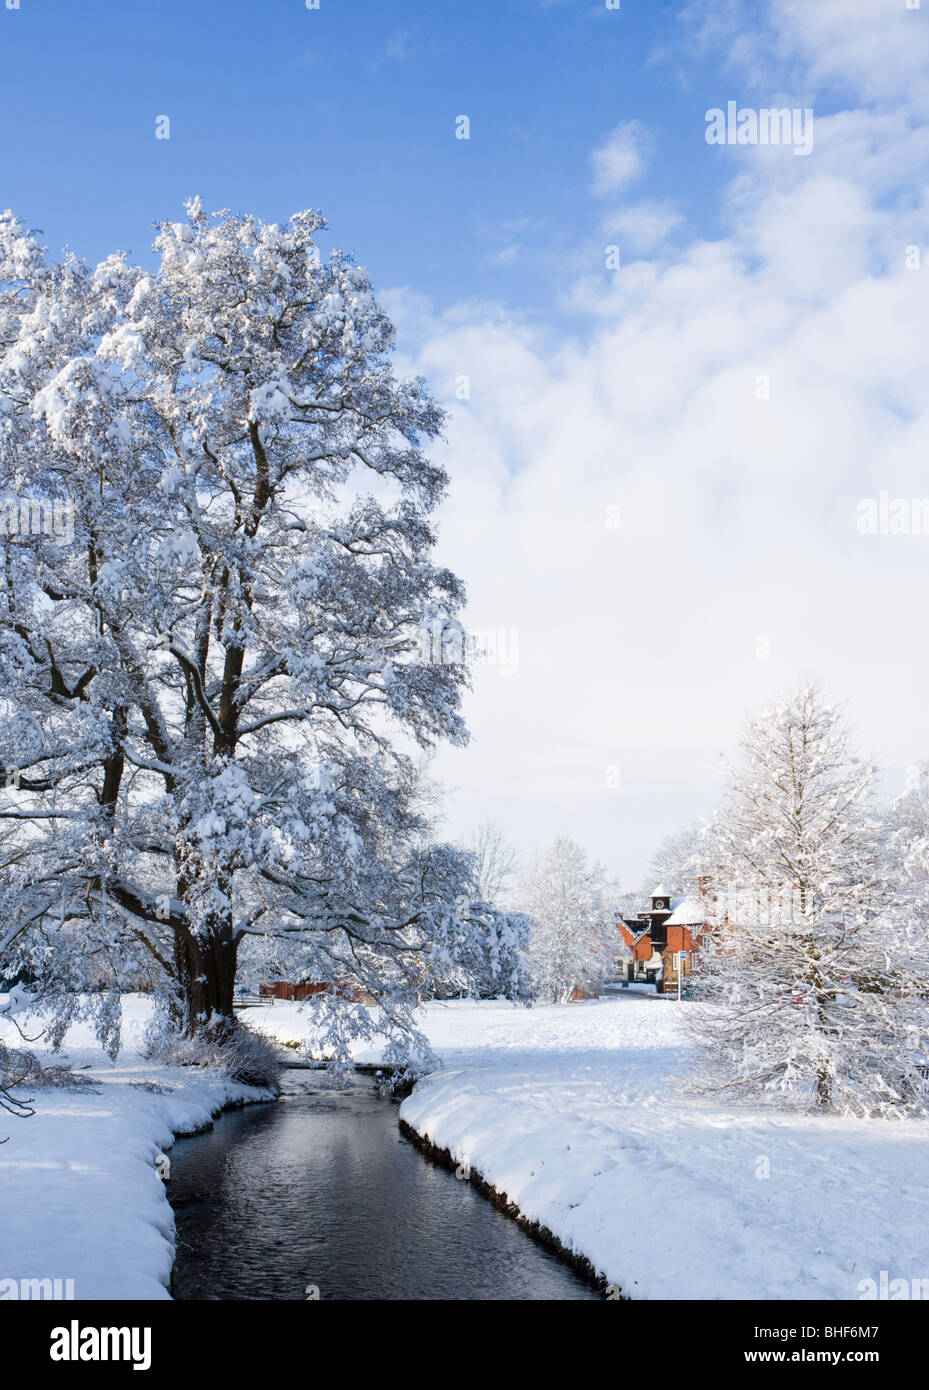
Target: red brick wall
680	939
626	934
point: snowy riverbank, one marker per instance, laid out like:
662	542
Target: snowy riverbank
80	1198
568	1112
571	1113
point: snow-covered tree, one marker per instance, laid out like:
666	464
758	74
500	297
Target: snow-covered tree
681	860
216	574
905	845
574	942
488	958
815	986
495	861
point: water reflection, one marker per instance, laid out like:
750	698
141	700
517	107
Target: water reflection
320	1191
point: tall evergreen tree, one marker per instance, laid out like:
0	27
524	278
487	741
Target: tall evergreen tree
813	984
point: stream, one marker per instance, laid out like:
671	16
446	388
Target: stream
319	1196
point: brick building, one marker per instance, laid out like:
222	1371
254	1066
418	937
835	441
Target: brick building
662	940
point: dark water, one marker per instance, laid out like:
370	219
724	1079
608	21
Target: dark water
321	1189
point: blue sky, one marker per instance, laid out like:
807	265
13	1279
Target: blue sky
756	370
351	108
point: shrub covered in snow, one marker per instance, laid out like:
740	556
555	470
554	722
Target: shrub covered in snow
243	1054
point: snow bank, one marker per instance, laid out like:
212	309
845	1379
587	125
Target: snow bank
569	1111
572	1112
79	1195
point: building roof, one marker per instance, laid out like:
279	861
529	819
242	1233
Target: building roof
636	926
688	912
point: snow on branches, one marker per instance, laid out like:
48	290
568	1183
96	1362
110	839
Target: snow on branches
814	971
201	690
574	941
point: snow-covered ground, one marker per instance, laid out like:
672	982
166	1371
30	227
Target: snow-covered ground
80	1198
571	1111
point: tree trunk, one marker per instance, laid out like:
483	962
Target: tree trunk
823	1079
206	971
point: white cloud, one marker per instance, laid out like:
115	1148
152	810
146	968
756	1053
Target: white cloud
399	46
621	158
869	50
737	515
642	226
876	49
